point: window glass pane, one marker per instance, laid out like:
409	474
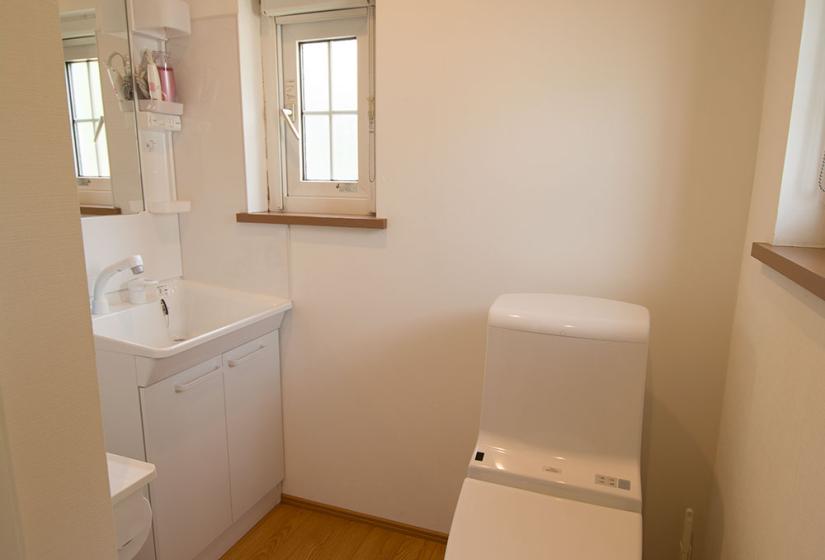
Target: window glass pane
81	96
316	148
344	75
345	147
97	100
86	149
315	76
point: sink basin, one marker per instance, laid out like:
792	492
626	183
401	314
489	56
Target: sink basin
202	321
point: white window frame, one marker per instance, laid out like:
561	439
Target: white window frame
315	197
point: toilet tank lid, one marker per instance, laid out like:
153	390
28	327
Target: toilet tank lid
572	316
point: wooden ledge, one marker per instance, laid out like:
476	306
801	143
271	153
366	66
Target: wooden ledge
99	211
328	220
803	265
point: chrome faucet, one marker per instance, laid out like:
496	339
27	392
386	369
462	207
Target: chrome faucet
99	302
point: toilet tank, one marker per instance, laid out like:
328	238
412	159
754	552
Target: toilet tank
567	374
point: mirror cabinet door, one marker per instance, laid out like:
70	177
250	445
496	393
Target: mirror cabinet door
101	102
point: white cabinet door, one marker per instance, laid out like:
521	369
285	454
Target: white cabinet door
184	425
253	418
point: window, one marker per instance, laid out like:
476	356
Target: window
329	109
320	117
91	154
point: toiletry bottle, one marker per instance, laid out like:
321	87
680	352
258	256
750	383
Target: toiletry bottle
152	77
167	75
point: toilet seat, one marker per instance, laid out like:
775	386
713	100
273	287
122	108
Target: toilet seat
493	521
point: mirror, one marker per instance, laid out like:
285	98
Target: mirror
102	117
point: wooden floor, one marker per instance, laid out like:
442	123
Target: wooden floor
289	532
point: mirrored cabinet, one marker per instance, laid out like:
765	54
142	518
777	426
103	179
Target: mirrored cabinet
122	102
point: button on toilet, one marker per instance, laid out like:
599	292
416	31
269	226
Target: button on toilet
555	471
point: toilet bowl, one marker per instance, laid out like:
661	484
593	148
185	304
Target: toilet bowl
128	479
555	470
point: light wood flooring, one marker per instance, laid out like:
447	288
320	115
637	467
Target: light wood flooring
291	532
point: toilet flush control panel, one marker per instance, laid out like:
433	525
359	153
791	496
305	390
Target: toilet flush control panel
612	482
607	482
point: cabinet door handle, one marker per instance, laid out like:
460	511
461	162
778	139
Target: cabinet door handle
180	388
235	363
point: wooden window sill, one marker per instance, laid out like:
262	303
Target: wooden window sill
99	211
327	220
803	265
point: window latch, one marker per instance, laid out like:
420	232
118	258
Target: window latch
287	115
98	127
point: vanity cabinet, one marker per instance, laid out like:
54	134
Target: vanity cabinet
253	405
184	424
214	432
192	383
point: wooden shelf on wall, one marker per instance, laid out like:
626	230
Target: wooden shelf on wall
327	220
99	211
803	265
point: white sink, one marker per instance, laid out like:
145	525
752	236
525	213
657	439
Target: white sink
133	514
127	476
203	321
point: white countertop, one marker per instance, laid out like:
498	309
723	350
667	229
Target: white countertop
127	476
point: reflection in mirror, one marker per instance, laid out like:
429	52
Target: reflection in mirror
99	91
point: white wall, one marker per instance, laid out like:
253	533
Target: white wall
580	147
252	104
54	496
801	217
770	501
108	239
210	162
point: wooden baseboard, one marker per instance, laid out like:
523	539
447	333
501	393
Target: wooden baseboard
411	530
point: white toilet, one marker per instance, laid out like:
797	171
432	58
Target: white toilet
555	471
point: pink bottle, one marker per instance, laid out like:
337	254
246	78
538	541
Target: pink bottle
167	76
